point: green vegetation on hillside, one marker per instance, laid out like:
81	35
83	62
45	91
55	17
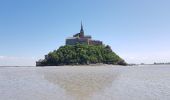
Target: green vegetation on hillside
81	54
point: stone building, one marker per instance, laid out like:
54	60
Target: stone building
80	38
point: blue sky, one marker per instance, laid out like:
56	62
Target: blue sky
137	30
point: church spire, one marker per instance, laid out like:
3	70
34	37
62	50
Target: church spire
82	31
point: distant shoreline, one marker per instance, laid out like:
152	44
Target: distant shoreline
90	65
17	66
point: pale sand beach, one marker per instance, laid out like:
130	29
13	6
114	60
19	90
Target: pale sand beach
150	82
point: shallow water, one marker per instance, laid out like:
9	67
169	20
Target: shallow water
85	83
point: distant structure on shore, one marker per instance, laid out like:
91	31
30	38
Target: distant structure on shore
80	38
167	63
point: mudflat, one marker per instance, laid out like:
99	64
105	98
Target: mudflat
150	82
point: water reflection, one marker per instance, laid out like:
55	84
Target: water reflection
81	83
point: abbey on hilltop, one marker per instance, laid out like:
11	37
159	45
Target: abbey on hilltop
80	38
81	50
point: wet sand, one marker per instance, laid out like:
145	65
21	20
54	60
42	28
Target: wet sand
85	83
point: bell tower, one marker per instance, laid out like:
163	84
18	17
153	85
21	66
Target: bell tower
81	30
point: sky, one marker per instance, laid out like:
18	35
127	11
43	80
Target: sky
137	30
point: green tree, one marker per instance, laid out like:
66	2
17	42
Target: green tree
82	54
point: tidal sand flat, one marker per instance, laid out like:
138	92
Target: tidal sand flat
85	83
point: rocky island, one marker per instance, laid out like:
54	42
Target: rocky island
81	50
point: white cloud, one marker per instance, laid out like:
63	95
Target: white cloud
17	61
148	58
1	57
